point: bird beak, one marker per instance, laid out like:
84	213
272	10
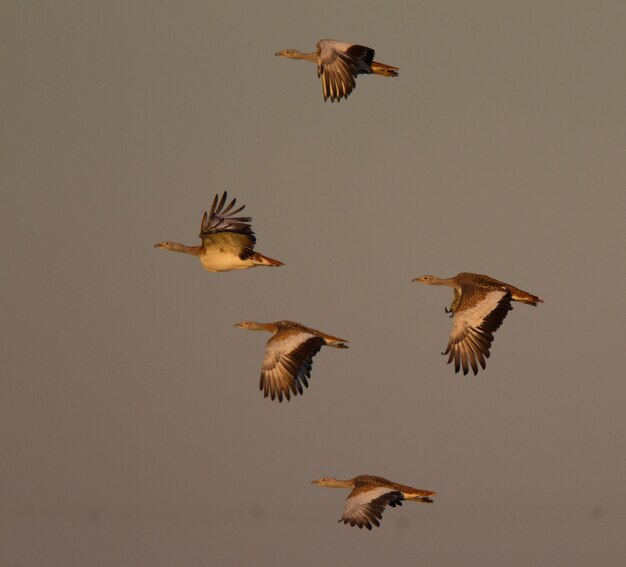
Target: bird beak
415	280
315	482
157	245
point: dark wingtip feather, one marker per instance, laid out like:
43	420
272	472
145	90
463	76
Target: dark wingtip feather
213	205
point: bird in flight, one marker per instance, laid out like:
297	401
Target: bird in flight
289	356
338	64
370	494
227	240
479	306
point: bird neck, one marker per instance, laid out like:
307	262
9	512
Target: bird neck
193	250
306	56
336	483
254	326
450	282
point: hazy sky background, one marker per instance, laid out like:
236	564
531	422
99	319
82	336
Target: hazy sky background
133	431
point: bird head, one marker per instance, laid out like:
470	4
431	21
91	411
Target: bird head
290	53
251	326
428	280
324	481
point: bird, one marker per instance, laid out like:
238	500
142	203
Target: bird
370	494
479	306
338	64
227	241
289	356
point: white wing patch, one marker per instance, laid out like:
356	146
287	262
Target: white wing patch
473	318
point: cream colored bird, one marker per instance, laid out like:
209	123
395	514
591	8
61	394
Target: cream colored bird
338	64
478	308
227	241
370	494
289	356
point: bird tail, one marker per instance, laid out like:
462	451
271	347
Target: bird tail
424	499
421	496
335	342
385	70
260	260
523	296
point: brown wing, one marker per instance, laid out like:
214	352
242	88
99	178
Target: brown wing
365	508
479	314
409	492
287	364
220	227
487	282
338	66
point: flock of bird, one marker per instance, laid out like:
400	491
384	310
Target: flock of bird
480	303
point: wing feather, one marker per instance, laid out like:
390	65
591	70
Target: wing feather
221	228
365	509
473	327
338	67
288	363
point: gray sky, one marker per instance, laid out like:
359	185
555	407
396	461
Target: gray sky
133	431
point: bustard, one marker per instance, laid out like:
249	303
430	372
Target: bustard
289	356
370	494
338	64
479	306
227	241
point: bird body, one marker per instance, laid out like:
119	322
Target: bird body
222	259
227	241
479	306
289	356
338	64
370	494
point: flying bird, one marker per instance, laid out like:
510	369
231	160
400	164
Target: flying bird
370	494
479	306
338	64
289	356
227	240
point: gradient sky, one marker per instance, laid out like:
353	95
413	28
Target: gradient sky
133	431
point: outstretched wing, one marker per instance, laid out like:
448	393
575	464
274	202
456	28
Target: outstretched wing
364	509
221	228
287	364
338	66
478	316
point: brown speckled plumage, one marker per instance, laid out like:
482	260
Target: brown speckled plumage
471	283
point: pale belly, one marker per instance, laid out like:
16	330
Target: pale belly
224	262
